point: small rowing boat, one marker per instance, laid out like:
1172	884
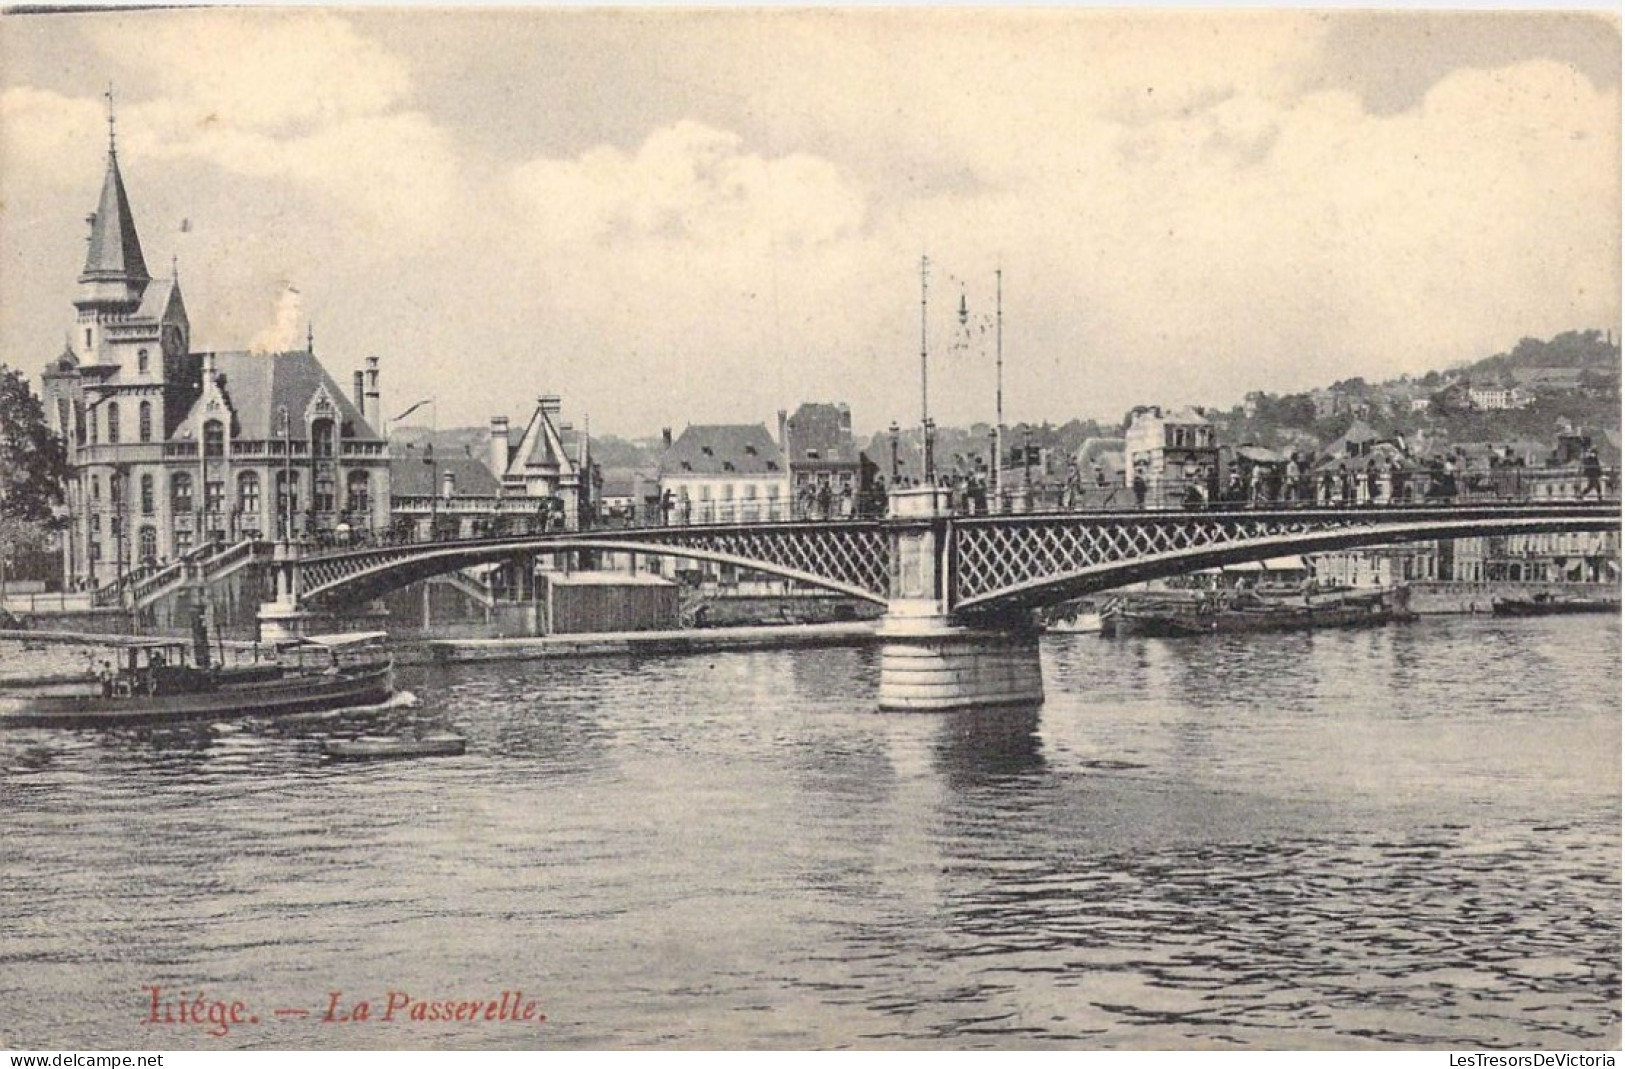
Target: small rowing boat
390	747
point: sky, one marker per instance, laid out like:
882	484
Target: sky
674	217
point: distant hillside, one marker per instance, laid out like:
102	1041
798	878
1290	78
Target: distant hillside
1569	383
1587	349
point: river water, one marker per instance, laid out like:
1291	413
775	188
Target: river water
1406	837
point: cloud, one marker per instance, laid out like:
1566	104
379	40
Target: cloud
271	71
1181	209
692	184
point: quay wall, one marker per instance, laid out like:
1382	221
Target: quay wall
649	643
1458	596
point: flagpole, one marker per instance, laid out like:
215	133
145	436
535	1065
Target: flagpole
998	425
926	466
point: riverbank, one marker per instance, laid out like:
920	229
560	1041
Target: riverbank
696	640
1436	597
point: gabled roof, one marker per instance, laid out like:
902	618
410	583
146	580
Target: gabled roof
115	250
723	449
1359	432
820	433
256	385
157	299
420	473
541	446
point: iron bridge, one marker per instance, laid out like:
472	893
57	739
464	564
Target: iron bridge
990	566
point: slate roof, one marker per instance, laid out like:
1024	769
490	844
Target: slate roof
257	384
156	297
115	250
723	449
820	434
411	474
629	482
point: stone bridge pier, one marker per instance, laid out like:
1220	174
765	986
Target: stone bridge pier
281	619
927	662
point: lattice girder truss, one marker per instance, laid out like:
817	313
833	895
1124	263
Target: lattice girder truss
1004	565
848	558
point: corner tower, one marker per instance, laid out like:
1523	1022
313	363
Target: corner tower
115	275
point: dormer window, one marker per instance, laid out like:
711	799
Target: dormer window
772	465
687	466
750	450
727	465
812	454
706	450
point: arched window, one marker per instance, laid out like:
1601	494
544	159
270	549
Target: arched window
321	438
112	423
96	488
358	491
149	544
90	422
214	439
141	361
180	493
146	495
79	422
146	421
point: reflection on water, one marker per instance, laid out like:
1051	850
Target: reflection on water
1395	837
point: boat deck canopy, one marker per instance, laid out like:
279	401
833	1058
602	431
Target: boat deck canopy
351	638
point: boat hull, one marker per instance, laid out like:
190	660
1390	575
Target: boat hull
1527	607
1153	623
261	698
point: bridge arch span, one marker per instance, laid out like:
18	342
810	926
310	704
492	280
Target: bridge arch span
371	573
1160	557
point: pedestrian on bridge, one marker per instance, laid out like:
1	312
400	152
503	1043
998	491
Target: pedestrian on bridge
1591	467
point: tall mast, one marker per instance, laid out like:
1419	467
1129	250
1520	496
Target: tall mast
998	349
925	396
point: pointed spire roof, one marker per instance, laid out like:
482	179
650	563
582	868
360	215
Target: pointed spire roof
115	250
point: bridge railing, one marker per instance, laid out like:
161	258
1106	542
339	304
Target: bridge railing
1323	490
1508	485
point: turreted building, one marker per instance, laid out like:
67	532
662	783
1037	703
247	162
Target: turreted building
171	449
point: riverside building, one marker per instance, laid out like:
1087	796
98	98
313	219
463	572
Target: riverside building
172	451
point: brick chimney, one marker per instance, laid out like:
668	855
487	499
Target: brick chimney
550	406
373	410
448	485
498	458
359	390
665	437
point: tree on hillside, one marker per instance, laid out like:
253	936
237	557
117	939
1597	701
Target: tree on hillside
33	460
